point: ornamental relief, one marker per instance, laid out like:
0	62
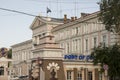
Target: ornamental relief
53	66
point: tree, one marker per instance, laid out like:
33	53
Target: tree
9	55
108	56
110	15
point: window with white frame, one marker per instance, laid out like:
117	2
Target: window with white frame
76	46
104	40
68	47
100	76
72	31
90	76
76	30
73	45
79	30
1	70
69	75
95	41
67	33
86	42
61	45
79	46
79	75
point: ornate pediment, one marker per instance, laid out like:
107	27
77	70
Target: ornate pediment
40	20
37	22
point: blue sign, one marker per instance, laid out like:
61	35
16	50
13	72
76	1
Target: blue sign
78	57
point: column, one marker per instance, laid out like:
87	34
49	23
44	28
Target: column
96	74
38	41
75	73
85	74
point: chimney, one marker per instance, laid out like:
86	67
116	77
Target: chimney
72	18
65	18
75	18
84	14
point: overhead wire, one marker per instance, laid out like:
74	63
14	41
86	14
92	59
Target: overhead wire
10	10
60	1
52	1
74	3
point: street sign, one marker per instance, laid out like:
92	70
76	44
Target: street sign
105	66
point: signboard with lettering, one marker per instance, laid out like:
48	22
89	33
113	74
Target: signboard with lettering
78	57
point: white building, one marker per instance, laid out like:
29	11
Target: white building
63	45
78	37
21	54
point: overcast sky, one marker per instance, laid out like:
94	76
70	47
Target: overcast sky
14	27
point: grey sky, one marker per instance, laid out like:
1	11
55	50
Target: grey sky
14	27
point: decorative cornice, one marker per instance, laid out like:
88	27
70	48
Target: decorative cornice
46	48
45	20
22	43
80	20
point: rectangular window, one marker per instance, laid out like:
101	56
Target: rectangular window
86	44
69	75
95	42
100	76
90	76
76	47
73	46
76	30
104	40
79	76
1	71
68	48
79	45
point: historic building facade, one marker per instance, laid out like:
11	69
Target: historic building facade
4	72
45	48
21	55
78	38
41	46
61	48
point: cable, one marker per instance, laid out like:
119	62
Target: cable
17	12
61	2
41	12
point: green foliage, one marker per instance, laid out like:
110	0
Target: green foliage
109	56
110	14
10	53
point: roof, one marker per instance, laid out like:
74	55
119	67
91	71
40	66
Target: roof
47	20
77	21
50	19
22	43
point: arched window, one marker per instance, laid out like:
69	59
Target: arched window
1	70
